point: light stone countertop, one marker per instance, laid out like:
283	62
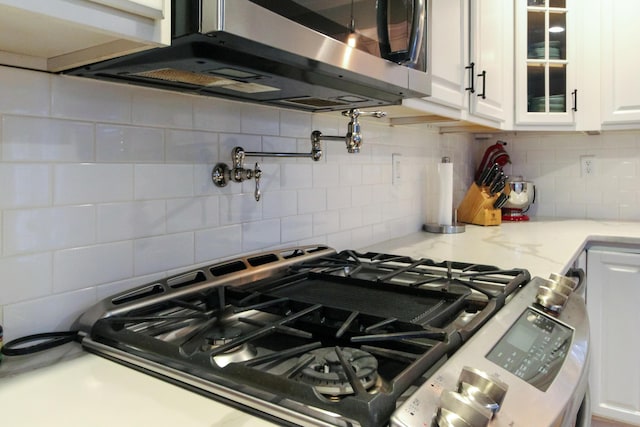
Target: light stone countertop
89	390
541	246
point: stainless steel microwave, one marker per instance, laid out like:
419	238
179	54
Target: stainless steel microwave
314	55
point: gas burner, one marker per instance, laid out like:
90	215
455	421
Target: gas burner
221	335
327	374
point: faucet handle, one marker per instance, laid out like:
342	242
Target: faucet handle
257	173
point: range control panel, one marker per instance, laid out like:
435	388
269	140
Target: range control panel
533	349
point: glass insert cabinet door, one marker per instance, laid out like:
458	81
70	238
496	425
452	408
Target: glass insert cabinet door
547	61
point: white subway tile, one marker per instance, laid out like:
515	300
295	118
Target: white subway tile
162	108
350	174
277	204
296	176
117	144
372	214
350	218
92	183
260	234
362	236
24	91
218	243
239	208
38	230
192	213
296	227
111	289
42	139
312	200
338	197
216	114
51	313
192	147
25	277
361	195
259	120
340	241
326	175
88	266
163	181
155	254
326	222
295	123
24	185
131	220
85	99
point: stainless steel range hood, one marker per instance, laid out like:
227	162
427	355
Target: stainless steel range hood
250	54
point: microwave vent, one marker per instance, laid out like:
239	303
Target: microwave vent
180	76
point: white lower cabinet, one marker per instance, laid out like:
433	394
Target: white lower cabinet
613	304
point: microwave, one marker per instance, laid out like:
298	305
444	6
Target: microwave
314	55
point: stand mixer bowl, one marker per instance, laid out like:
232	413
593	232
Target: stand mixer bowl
522	195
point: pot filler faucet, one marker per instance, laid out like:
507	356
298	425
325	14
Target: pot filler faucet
222	174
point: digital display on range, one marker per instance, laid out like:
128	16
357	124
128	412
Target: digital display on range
533	349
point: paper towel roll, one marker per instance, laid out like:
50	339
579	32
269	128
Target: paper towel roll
445	201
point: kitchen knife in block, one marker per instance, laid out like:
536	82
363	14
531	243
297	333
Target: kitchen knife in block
477	207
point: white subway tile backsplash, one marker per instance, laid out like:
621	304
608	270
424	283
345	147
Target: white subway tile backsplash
131	220
259	120
312	200
119	144
294	228
35	139
108	186
162	253
39	230
216	114
84	99
239	208
279	203
217	243
24	92
260	234
92	183
89	266
55	312
192	147
296	176
25	277
163	181
24	185
192	213
326	222
160	108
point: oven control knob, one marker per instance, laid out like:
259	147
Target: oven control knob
457	410
552	296
485	391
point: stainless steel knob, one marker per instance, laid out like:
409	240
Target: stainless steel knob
457	410
478	387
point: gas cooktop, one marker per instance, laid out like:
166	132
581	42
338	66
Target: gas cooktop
304	336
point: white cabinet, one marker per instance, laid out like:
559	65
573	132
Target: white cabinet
613	301
619	66
54	35
491	52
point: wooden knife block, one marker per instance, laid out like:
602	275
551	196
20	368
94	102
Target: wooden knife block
477	207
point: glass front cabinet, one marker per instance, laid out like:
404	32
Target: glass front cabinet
546	91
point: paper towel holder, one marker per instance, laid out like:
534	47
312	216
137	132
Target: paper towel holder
453	228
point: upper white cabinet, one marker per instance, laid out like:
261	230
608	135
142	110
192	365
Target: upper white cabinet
54	35
620	82
556	49
491	53
613	296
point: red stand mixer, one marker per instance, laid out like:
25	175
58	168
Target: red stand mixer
522	194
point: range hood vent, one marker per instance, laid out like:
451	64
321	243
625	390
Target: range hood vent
225	65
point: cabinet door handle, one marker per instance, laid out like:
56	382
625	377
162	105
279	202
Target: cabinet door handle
470	67
484	82
574	95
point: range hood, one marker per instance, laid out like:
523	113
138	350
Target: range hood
288	67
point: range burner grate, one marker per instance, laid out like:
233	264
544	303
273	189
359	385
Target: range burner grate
314	332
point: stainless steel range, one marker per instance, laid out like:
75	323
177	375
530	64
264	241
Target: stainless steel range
308	336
